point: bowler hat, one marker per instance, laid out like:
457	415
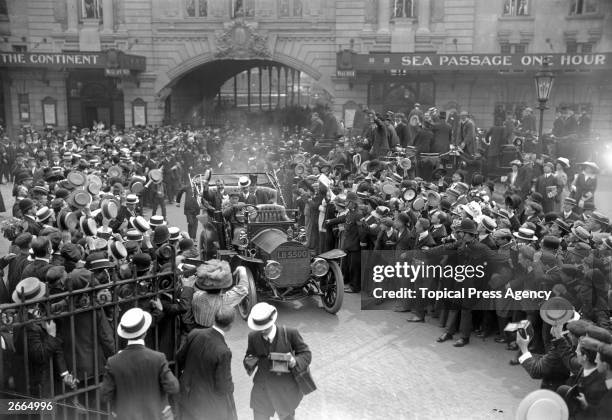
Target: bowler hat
141	261
161	234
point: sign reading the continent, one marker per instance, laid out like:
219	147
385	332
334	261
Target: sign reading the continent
497	62
73	60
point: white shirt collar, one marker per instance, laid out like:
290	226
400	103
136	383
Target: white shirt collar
587	372
272	334
214	327
609	383
139	341
41	259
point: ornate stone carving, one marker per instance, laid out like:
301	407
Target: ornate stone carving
241	40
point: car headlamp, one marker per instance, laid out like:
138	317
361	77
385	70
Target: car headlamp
273	269
243	238
319	267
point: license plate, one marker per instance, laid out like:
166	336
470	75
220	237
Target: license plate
292	254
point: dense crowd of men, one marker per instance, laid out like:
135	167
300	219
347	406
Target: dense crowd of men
426	187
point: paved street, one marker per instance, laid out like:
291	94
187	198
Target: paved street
373	365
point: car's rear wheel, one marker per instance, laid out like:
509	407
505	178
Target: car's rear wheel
244	308
332	286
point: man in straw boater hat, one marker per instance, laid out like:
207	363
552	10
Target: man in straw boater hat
137	380
280	355
38	341
551	367
205	360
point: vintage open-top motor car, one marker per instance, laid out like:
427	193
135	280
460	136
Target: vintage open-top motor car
279	266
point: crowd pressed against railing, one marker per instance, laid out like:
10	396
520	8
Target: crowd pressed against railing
92	286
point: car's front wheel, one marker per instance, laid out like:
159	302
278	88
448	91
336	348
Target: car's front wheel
244	308
332	286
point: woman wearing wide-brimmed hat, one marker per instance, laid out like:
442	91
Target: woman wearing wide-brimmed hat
585	183
213	289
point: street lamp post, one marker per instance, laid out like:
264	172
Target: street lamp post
544	82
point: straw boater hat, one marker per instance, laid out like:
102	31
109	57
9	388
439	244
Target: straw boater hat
558	311
28	289
132	199
155	221
526	234
542	404
244	181
134	323
88	226
140	223
43	214
262	316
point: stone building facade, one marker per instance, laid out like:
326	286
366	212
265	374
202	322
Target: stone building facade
155	58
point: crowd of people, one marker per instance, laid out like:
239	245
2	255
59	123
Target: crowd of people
421	186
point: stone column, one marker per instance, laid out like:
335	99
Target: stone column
423	16
384	16
107	16
72	15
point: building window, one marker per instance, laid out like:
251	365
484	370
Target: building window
516	8
572	48
243	8
24	107
91	9
49	107
586	48
290	8
20	48
506	48
582	7
520	48
404	8
3	10
196	8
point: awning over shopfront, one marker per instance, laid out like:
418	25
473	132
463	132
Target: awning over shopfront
349	63
114	60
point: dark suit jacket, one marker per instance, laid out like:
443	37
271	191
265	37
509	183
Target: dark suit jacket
36	268
548	367
15	269
41	348
281	389
136	382
442	133
405	240
82	346
541	184
207	390
352	230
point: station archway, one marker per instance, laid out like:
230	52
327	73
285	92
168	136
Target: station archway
228	86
